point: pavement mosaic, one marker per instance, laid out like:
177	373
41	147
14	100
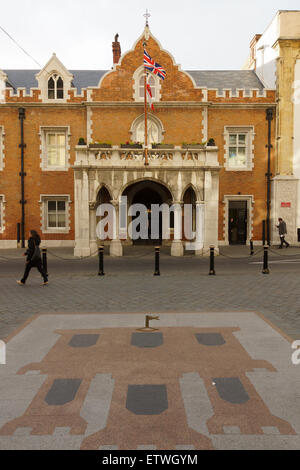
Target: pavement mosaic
202	381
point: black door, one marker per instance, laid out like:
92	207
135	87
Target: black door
237	223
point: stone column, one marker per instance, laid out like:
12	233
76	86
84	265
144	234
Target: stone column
115	248
199	242
93	235
211	195
82	218
177	248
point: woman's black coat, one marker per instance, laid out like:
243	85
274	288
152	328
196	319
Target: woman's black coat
32	243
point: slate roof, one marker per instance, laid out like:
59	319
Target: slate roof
226	79
26	78
207	78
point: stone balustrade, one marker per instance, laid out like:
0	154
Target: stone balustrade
88	156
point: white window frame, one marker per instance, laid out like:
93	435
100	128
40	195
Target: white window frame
2	213
2	134
249	132
44	131
138	74
44	199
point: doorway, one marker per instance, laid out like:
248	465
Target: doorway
147	193
237	222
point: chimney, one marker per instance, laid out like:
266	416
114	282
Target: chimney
116	48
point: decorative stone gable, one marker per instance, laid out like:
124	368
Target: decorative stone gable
118	84
54	68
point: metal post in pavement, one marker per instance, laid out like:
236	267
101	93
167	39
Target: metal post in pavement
251	248
157	252
101	255
212	261
265	267
44	260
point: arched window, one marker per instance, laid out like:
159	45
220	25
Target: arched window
138	87
152	83
55	87
154	127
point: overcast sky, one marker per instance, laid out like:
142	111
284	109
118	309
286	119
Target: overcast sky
200	34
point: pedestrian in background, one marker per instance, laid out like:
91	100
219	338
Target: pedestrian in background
282	232
34	258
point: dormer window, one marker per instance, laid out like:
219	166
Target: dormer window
55	88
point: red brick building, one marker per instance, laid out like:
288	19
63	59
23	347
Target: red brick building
65	182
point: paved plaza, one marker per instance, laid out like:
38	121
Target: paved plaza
80	374
201	381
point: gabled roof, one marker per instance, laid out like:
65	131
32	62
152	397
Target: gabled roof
206	78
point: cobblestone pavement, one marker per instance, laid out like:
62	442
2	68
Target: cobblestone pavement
129	285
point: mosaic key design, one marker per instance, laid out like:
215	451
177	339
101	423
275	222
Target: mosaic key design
146	399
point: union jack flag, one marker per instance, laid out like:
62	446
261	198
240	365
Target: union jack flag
153	67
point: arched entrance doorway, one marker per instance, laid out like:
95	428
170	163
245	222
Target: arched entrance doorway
189	225
148	193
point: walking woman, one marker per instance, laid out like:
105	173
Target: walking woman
33	258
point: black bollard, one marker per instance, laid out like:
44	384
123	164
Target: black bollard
101	255
157	272
265	267
44	260
212	261
251	248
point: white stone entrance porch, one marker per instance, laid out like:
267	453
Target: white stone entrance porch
116	169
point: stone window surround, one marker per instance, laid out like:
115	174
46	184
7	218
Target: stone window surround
54	66
152	118
136	80
250	202
2	213
44	198
2	148
43	147
249	130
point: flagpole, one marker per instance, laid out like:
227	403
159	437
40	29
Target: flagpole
145	114
146	124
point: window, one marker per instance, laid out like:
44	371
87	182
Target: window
55	148
55	87
55	213
151	82
139	81
239	148
154	126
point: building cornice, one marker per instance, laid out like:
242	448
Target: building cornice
130	104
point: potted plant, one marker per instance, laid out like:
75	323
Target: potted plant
211	143
162	146
81	141
193	145
132	145
101	145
